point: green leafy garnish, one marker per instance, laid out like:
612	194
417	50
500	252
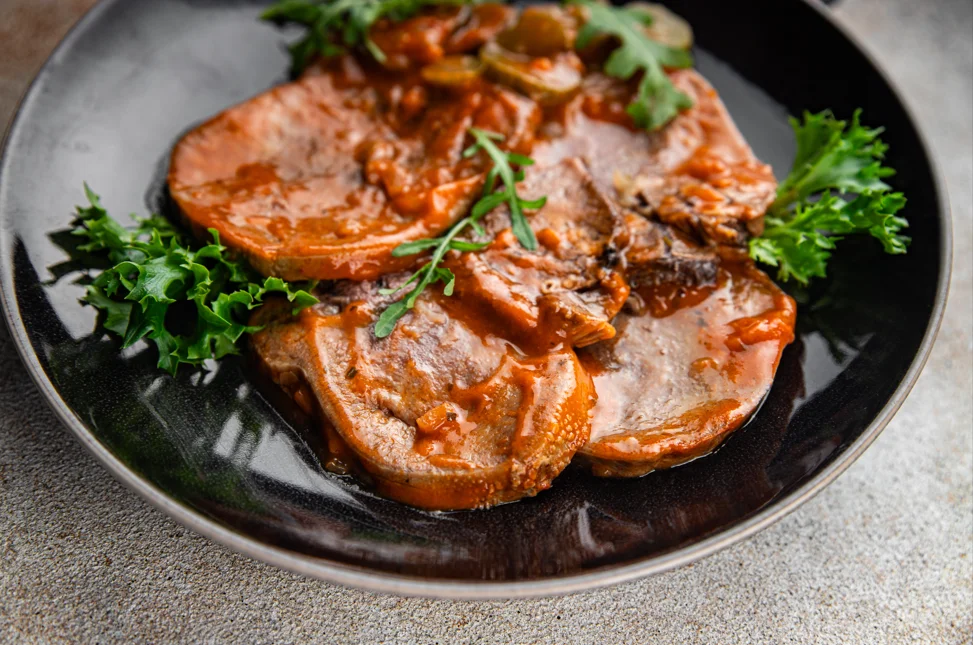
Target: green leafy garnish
806	220
833	155
658	100
334	26
503	169
154	271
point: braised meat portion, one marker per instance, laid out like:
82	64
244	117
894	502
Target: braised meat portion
567	290
323	177
713	186
658	254
687	368
638	335
443	414
698	174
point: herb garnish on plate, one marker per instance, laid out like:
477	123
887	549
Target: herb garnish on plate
658	100
806	220
155	268
508	168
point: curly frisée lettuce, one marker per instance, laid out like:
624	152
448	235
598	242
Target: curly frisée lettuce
191	302
807	220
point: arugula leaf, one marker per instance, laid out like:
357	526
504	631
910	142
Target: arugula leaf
658	100
503	169
806	220
430	273
334	26
155	270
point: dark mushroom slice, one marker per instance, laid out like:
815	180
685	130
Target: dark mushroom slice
324	177
567	290
687	368
443	414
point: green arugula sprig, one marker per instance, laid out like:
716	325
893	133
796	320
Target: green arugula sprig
806	220
508	168
154	270
504	169
334	26
658	100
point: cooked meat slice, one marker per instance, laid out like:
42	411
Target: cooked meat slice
686	369
697	174
443	414
658	254
713	186
593	127
566	291
323	177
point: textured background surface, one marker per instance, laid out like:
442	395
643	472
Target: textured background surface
883	555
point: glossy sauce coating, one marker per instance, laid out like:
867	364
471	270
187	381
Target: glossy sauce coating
443	414
688	367
697	174
567	290
480	398
322	178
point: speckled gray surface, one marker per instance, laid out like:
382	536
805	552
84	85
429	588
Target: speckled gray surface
885	555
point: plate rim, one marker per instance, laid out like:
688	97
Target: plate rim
390	583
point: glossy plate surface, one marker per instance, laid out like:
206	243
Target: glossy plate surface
212	452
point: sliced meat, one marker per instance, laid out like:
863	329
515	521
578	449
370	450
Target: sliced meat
323	177
593	127
444	413
687	368
566	291
718	190
698	174
658	254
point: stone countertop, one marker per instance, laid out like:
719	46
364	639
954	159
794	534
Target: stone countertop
885	554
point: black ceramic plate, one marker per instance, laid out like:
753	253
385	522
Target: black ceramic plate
210	450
